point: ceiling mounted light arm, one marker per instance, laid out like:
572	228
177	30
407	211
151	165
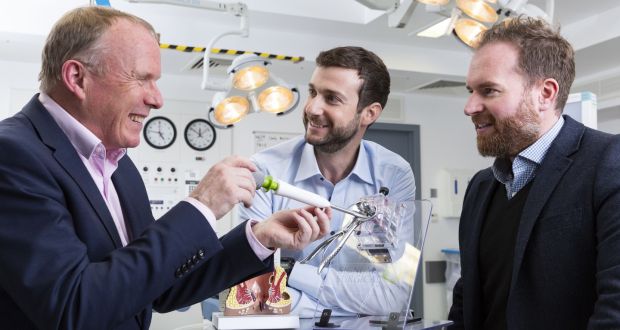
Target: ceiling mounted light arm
238	9
550	9
522	7
388	5
398	11
202	4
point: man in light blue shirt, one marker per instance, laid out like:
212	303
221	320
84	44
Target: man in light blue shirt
347	93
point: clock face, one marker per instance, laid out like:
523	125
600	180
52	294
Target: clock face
159	132
200	134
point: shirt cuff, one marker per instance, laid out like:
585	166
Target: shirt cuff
259	249
305	278
206	212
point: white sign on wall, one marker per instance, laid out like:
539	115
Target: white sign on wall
263	140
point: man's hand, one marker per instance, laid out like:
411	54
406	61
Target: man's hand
227	183
293	229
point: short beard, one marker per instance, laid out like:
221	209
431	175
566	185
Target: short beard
512	134
337	139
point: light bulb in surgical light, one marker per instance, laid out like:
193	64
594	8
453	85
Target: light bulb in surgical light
469	31
478	10
231	110
275	99
250	78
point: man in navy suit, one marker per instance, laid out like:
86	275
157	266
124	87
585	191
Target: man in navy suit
540	229
79	248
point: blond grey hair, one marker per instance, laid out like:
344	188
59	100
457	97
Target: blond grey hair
76	36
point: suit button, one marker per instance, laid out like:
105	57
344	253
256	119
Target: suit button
195	260
178	273
201	254
184	268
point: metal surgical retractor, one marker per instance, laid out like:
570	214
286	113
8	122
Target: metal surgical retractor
366	212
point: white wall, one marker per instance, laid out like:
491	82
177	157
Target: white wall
609	120
18	82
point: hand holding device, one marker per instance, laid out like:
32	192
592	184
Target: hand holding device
293	229
226	184
281	188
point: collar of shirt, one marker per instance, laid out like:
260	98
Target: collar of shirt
517	174
84	141
308	166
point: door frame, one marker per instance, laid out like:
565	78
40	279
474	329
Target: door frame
413	133
413	137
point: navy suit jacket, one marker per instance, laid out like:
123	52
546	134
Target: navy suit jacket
566	267
62	264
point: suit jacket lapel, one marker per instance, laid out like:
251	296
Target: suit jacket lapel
550	172
483	193
68	158
126	186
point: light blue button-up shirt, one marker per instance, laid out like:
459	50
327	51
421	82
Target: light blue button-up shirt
294	162
523	168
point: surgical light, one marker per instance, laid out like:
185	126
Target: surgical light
469	30
231	110
276	99
248	73
252	88
478	10
250	78
455	12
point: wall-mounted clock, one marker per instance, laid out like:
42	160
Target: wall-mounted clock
199	134
159	132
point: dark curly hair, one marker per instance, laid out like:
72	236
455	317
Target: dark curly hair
370	68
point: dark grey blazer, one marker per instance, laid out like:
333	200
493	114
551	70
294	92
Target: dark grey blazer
566	268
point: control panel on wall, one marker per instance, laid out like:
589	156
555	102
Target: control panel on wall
177	149
167	184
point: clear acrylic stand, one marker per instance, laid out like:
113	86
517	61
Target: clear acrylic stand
371	280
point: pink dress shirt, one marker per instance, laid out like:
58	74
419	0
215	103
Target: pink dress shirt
101	164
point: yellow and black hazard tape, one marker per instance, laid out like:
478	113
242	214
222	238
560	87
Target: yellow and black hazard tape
190	49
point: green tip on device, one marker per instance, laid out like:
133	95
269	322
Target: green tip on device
269	183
